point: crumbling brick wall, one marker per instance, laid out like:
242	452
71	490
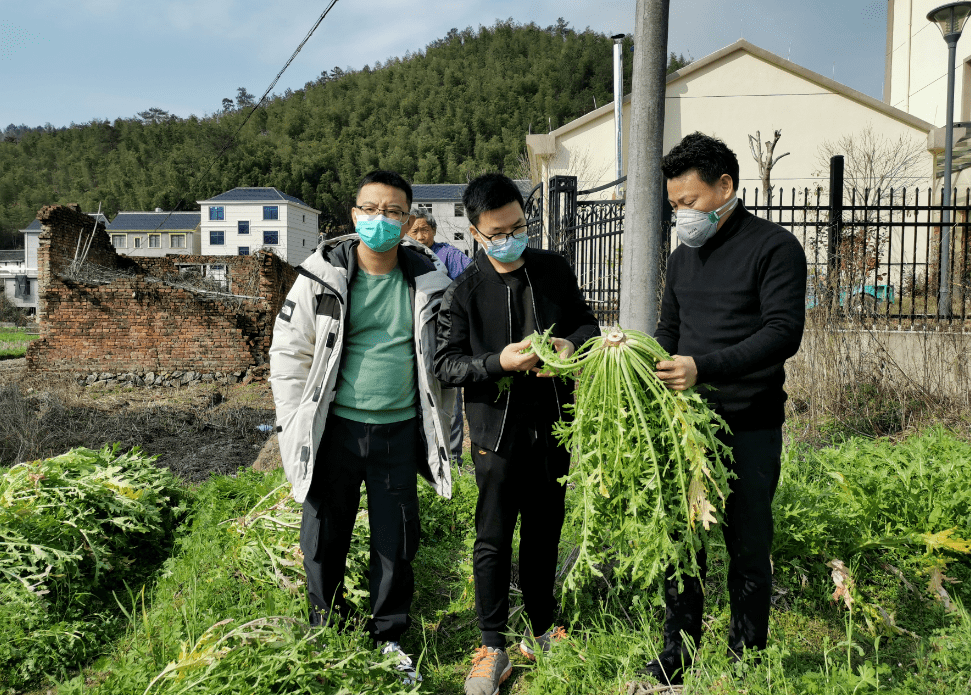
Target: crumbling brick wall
136	322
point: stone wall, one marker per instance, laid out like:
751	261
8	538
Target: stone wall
137	323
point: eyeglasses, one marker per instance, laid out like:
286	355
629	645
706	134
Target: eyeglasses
391	213
519	231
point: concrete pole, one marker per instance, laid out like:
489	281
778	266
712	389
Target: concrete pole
640	279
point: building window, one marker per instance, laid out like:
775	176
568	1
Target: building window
271	238
138	242
271	212
216	238
242	227
216	213
244	250
217	273
424	208
304	218
459	236
154	241
118	241
21	288
177	241
459	210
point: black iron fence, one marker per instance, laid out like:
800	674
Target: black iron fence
872	255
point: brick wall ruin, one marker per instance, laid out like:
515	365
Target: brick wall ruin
123	314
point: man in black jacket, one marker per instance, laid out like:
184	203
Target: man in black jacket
732	312
508	292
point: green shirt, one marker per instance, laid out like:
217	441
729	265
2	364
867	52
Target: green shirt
376	381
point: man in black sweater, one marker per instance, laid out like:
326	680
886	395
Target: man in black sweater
508	292
732	312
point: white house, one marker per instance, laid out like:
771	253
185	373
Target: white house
155	233
240	221
731	94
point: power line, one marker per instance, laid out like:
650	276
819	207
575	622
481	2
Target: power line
231	141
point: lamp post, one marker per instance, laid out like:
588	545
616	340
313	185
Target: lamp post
950	18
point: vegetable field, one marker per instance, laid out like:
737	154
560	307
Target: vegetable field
124	580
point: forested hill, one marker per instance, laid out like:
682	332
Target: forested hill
461	106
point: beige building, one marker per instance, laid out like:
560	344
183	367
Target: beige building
731	94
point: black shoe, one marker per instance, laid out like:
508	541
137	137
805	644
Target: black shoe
666	670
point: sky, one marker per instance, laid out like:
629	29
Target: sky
64	61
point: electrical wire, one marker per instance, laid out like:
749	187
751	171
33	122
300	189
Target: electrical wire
232	140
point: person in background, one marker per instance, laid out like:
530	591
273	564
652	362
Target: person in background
356	402
732	312
506	294
423	229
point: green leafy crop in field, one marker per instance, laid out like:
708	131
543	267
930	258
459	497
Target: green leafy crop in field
646	459
72	528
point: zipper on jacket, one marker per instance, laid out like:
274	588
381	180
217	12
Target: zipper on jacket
505	412
539	326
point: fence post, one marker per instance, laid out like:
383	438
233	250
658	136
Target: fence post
562	210
835	228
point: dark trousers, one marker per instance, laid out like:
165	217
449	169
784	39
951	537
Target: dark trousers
524	484
384	458
748	539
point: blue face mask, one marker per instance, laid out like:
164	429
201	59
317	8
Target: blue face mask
508	250
378	232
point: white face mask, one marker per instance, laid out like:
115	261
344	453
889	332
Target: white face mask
695	227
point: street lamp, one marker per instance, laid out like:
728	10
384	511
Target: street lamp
950	18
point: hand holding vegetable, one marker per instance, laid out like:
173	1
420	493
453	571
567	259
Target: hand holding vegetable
678	373
517	357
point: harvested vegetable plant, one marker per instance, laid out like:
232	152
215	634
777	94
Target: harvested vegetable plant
647	462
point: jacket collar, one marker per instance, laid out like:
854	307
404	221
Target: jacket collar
484	265
338	254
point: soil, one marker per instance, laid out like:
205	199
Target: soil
195	431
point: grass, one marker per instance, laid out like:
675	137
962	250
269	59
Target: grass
225	613
14	342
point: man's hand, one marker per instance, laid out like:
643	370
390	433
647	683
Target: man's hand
564	348
511	360
678	374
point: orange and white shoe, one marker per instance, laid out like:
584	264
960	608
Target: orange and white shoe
530	645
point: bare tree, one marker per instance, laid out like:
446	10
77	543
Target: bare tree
766	162
875	162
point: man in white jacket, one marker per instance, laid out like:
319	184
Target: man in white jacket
351	372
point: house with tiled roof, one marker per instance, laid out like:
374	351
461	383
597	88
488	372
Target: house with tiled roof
444	202
156	233
240	221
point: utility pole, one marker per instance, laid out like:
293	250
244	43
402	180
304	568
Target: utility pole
640	279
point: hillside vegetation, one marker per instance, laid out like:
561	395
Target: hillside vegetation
462	105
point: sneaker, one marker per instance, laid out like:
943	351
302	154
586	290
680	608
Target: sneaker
409	674
490	669
543	643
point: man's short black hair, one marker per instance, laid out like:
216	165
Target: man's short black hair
388	178
709	156
490	192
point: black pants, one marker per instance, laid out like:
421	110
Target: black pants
524	484
748	539
384	457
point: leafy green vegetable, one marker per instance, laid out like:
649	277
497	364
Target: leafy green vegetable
73	528
646	459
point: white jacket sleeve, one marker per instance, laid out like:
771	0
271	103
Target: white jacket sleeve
292	350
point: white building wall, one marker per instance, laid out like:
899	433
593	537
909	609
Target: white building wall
717	100
293	226
917	64
192	244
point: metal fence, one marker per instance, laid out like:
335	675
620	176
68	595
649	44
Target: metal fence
871	255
